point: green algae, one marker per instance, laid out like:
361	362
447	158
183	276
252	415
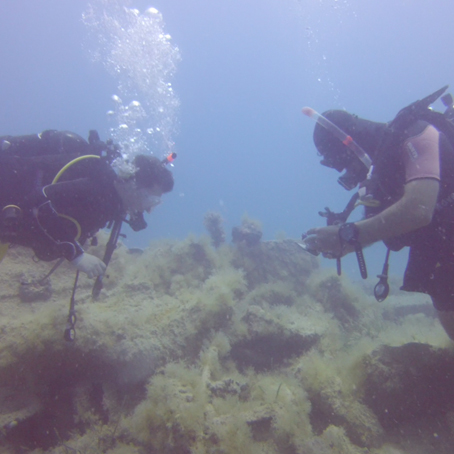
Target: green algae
199	349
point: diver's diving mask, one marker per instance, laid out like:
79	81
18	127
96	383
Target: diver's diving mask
351	158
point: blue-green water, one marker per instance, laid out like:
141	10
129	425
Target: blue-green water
225	91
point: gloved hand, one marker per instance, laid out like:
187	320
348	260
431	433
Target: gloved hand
89	264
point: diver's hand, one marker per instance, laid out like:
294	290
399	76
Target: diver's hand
89	264
326	241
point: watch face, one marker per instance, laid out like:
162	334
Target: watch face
348	233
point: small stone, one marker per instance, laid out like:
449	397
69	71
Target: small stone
32	289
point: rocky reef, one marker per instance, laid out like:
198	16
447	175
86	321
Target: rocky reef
213	223
198	346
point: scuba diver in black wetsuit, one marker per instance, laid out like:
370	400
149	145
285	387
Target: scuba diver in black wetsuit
57	190
405	173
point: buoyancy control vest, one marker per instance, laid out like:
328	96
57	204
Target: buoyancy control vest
32	161
387	179
29	163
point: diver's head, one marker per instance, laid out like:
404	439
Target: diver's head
336	155
143	189
152	172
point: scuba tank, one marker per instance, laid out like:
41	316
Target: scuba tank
49	142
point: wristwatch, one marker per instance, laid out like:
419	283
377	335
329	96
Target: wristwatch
349	234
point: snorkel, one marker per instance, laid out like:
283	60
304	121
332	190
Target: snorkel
349	179
341	135
169	159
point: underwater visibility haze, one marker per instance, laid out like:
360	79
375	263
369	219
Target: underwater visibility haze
215	332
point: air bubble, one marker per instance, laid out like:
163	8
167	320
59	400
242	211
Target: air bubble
137	52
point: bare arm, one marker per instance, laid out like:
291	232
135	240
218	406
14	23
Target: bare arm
413	211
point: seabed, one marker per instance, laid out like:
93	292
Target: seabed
239	348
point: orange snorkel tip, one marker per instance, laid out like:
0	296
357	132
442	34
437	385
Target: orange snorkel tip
169	158
308	111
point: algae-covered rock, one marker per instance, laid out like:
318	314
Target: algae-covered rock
334	298
332	406
249	233
188	409
269	342
410	384
410	390
275	261
400	312
213	222
195	349
332	441
16	405
34	288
